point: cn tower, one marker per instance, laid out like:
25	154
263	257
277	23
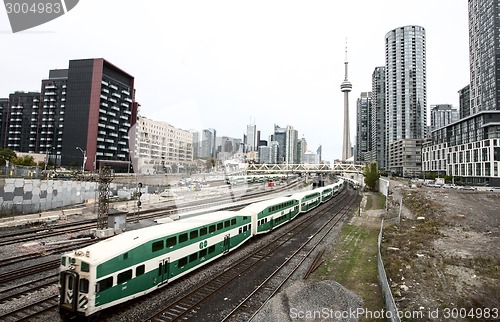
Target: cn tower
346	87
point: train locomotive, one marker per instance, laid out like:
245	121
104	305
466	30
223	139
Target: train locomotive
137	262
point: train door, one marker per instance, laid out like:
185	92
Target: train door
271	223
227	243
69	291
164	270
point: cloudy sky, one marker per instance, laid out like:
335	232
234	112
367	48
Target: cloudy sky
226	64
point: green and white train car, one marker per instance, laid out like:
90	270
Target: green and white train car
308	199
332	190
270	214
135	263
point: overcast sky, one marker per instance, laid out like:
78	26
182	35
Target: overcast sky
224	64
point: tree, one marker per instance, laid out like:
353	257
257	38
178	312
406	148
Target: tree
25	160
6	154
371	175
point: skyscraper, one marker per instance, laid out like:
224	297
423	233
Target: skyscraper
363	135
252	137
442	115
208	143
470	147
484	49
377	125
405	98
346	87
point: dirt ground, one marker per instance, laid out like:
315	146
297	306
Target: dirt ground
443	258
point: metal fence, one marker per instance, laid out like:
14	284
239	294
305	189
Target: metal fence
384	283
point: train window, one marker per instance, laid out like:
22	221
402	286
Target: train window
139	270
240	231
183	237
203	231
124	276
85	267
125	256
211	249
211	228
157	246
233	221
193	234
104	284
244	228
70	282
245	217
220	226
203	252
227	223
193	257
183	261
171	241
63	261
84	285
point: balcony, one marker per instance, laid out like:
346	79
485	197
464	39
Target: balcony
103	82
114	87
104	97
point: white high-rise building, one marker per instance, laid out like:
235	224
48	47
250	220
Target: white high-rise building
405	99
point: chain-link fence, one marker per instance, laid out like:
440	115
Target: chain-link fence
384	283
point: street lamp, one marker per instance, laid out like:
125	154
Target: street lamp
84	152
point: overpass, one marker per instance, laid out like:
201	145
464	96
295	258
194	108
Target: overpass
336	168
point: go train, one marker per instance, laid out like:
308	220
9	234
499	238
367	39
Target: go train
137	262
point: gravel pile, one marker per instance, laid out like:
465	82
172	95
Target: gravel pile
322	301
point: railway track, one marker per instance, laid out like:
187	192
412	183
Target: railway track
249	307
28	312
187	306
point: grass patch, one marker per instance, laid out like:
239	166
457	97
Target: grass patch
379	202
352	262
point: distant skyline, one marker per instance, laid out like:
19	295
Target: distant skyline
220	64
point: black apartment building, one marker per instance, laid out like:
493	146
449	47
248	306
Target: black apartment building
82	116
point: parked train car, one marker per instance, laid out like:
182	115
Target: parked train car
137	262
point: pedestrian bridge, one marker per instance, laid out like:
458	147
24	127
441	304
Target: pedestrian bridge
336	168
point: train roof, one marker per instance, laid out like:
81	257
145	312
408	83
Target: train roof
258	206
301	194
116	245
